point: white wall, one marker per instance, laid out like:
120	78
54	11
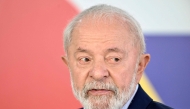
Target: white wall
155	16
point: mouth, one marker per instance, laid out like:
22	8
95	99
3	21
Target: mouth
99	92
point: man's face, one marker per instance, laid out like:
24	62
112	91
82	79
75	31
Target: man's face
103	63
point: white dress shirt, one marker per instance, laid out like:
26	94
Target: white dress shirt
129	101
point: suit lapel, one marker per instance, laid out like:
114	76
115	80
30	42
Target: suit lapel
141	100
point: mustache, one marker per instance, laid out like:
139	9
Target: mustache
97	85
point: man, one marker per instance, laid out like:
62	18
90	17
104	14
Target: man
105	53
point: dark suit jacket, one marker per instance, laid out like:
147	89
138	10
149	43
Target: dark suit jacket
142	101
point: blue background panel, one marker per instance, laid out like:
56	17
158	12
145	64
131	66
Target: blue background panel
169	68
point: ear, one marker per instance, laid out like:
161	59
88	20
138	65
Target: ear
65	60
143	62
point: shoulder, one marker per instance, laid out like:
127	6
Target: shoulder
157	105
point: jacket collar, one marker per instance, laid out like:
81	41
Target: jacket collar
141	100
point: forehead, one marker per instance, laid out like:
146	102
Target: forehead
102	34
101	28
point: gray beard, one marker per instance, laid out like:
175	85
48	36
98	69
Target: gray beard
111	101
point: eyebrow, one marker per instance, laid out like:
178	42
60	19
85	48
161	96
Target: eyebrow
79	49
114	50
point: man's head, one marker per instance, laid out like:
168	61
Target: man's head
105	55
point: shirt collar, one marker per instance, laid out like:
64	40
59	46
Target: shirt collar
129	101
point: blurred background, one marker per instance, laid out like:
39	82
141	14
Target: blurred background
33	76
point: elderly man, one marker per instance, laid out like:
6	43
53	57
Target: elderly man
105	53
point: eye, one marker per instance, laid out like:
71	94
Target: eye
84	60
114	60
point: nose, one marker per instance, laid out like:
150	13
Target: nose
99	71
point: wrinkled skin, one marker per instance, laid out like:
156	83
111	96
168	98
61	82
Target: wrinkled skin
104	52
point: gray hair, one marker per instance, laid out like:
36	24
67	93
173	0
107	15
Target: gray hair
109	13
